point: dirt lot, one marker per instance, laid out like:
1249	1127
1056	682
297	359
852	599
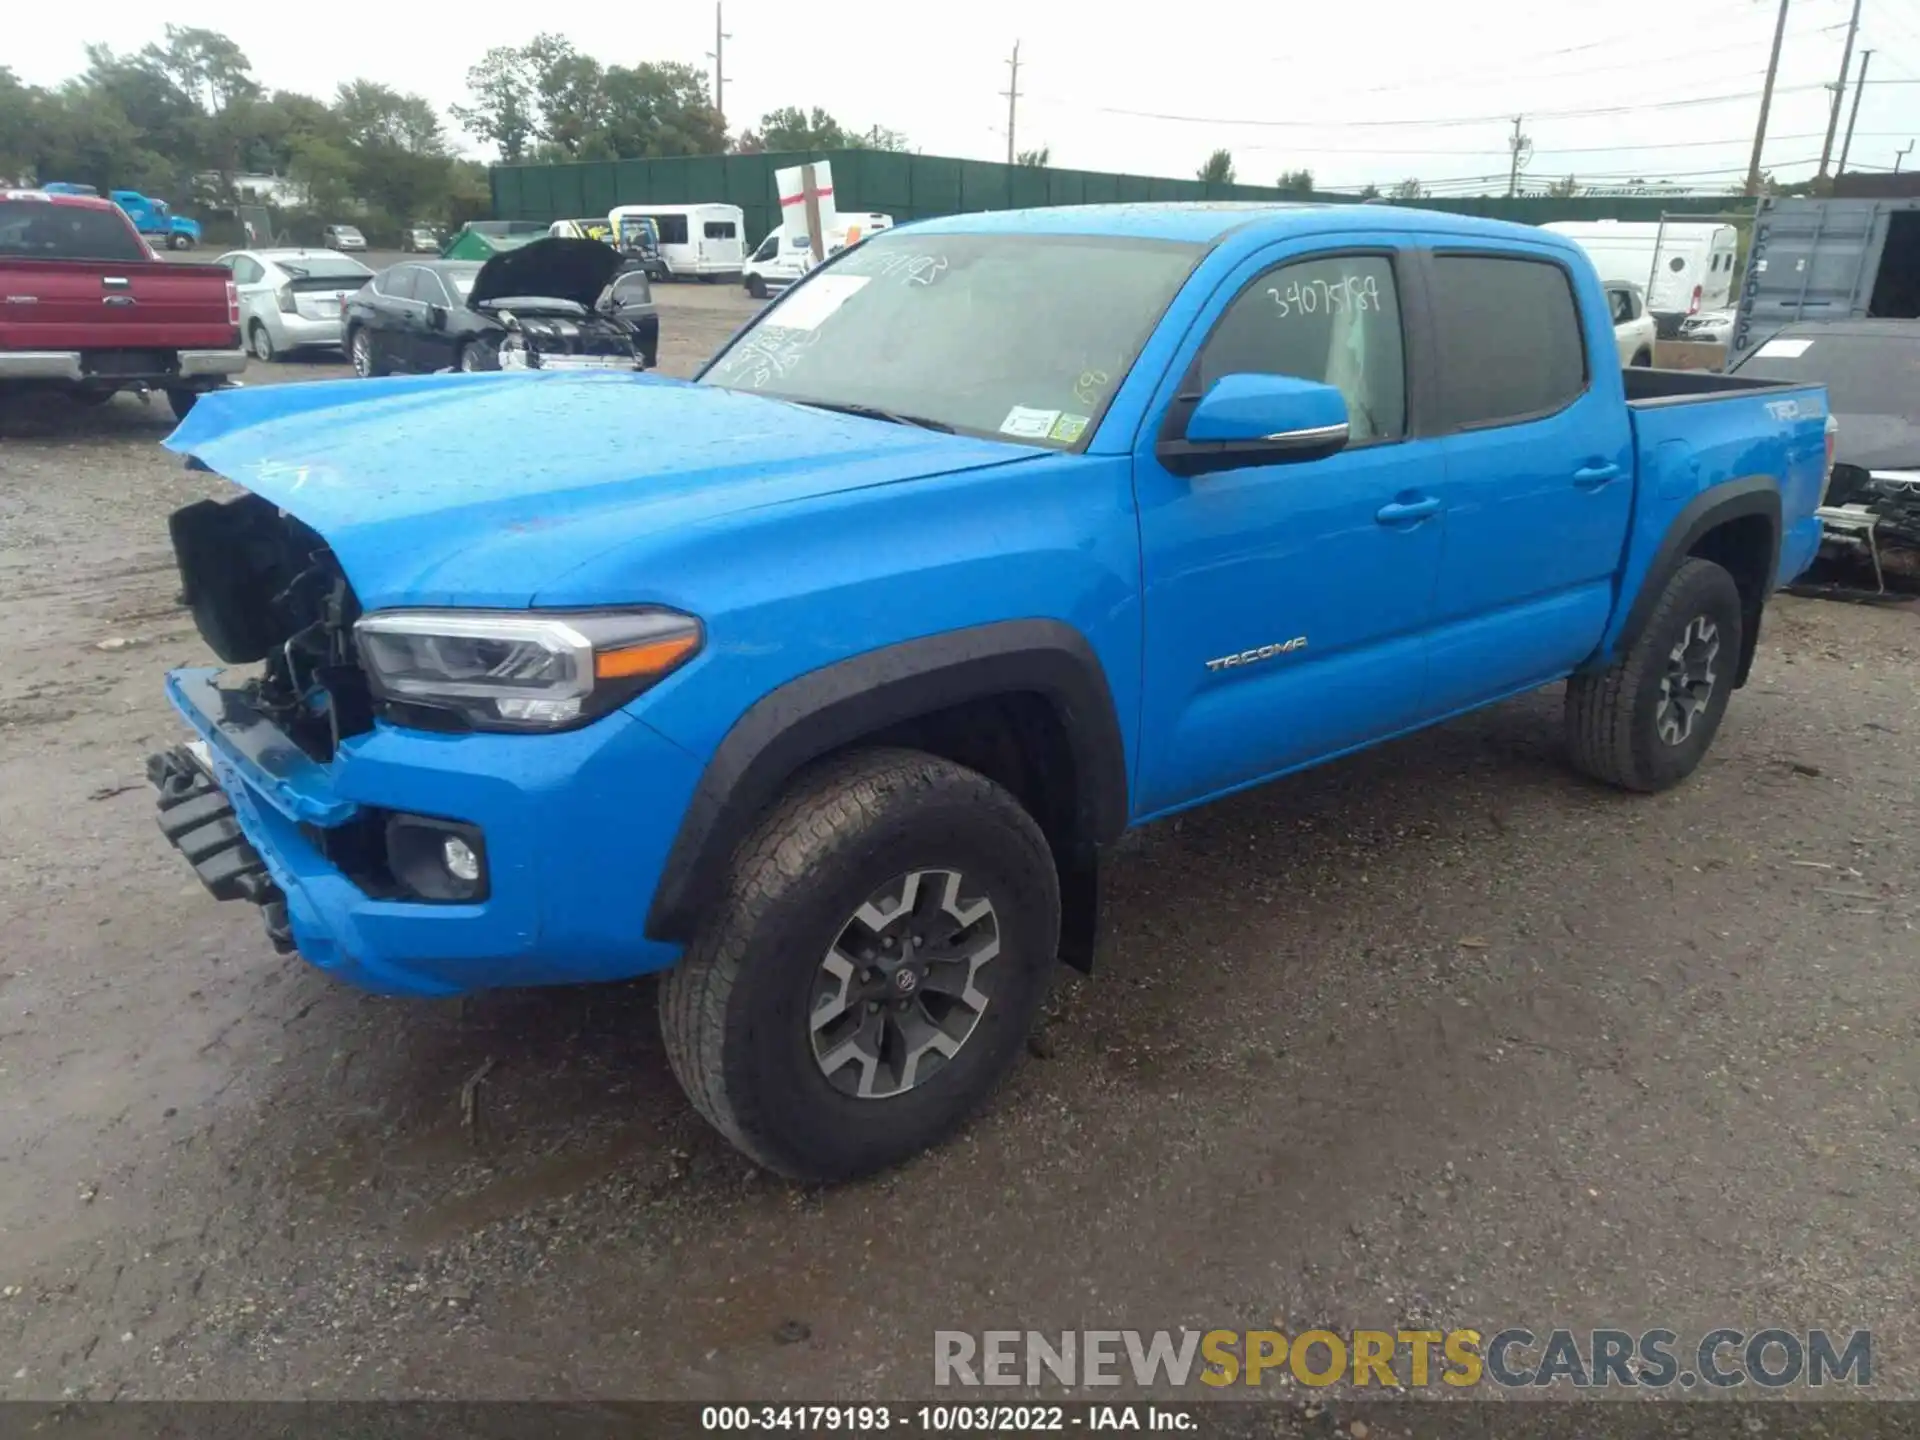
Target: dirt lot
1438	1035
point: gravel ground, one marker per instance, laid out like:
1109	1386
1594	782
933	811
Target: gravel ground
1438	1035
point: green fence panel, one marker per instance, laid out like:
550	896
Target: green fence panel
911	187
983	185
936	186
1027	186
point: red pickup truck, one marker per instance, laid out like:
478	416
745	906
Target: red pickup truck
87	308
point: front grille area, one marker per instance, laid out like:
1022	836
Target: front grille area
265	589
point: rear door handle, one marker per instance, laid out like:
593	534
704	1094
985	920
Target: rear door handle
1407	512
1592	477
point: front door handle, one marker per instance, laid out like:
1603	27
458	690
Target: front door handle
1592	477
1407	512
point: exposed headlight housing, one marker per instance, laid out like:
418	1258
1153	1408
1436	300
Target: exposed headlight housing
495	670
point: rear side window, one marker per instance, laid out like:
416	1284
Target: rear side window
720	230
1510	341
672	228
398	283
38	230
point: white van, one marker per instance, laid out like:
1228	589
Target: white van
1684	266
778	261
696	241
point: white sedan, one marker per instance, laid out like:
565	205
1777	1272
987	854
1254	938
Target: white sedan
292	299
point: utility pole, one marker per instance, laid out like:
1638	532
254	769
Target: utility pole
1766	102
718	55
1859	88
1839	91
1522	147
1012	92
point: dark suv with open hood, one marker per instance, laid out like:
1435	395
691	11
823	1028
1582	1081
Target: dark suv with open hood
551	305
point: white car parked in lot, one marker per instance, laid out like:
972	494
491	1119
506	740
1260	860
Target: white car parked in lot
1709	327
292	299
1633	325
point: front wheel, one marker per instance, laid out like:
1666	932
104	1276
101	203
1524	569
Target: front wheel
1642	359
1645	722
180	242
756	287
871	973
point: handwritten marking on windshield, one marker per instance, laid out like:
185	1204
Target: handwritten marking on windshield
912	269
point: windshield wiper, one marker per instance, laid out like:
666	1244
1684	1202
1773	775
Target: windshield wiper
874	412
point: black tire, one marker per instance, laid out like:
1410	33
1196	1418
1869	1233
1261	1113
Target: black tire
369	345
1614	717
181	401
475	356
1643	358
260	343
735	1011
180	242
757	287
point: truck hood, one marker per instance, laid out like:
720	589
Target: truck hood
484	489
567	269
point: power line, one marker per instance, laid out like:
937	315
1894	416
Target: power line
1432	124
1551	150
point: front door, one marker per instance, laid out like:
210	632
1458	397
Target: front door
1286	603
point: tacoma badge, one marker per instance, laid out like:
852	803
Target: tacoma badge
1261	652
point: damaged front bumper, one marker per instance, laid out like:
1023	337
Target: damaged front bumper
574	828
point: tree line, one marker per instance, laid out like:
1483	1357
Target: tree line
181	118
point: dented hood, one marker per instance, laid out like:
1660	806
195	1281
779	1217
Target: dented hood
576	270
485	489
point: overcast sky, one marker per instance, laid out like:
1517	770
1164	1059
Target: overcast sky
1364	90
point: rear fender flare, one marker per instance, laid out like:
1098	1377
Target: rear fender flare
838	705
1707	511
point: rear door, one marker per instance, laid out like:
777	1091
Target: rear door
403	325
79	278
1538	485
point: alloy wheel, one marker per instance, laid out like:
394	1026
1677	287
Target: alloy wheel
902	989
1687	684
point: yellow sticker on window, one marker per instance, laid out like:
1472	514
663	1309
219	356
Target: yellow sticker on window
1068	428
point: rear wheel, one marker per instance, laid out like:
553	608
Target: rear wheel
888	934
1645	722
364	354
260	341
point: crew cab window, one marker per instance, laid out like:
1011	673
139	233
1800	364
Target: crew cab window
1336	320
1510	342
720	230
40	230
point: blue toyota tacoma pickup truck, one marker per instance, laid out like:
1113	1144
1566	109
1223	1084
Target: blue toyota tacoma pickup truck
820	681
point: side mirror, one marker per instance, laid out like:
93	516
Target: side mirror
1254	419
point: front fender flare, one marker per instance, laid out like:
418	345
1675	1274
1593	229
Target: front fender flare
830	708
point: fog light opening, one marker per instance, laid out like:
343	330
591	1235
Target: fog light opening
461	862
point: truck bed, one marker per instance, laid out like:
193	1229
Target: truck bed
1647	387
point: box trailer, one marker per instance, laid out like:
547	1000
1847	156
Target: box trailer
1827	260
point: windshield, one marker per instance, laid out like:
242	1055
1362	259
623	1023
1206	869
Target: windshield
1864	374
1023	336
347	232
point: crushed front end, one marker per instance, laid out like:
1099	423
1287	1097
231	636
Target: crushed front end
388	843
